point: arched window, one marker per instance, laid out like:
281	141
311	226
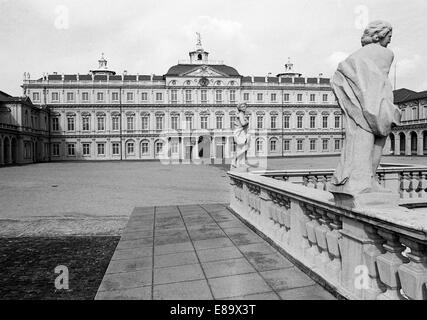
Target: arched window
259	145
130	147
159	147
145	148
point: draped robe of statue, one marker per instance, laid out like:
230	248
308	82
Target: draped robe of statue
365	95
241	138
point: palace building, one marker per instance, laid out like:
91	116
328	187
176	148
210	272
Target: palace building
187	114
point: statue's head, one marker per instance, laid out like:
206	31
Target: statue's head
242	107
377	32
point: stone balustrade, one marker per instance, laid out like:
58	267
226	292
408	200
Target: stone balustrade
409	181
375	253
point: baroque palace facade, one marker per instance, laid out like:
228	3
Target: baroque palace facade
187	114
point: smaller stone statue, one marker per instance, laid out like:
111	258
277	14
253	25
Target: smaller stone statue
241	138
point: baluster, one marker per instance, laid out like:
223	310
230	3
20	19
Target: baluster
304	219
333	268
404	185
311	225
321	230
388	264
414	185
422	193
413	275
371	250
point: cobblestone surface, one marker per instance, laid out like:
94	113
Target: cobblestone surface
28	264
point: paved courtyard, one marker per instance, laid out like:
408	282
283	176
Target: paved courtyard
194	252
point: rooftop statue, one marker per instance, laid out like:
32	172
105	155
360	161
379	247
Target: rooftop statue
365	95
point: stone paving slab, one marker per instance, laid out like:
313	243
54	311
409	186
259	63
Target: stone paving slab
194	252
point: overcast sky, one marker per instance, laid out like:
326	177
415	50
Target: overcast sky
254	36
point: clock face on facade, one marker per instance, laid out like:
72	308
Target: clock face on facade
204	82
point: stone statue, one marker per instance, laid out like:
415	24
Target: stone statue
365	95
241	138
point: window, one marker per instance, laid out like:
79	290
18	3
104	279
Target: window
299	97
299	122
286	97
100	96
232	121
174	95
337	144
273	97
130	123
189	123
70	123
85	124
85	96
325	121
219	122
260	122
286	122
312	122
300	145
129	96
312	97
203	96
218	95
144	148
144	96
55	149
101	149
312	145
325	144
36	96
273	122
259	145
115	96
246	96
232	95
159	96
286	145
71	148
204	122
130	148
174	147
101	123
273	144
116	148
145	123
159	147
337	121
259	97
70	96
55	96
187	96
86	149
55	124
325	98
115	123
159	123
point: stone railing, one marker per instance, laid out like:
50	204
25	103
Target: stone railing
376	253
409	181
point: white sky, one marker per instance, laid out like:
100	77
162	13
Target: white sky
255	37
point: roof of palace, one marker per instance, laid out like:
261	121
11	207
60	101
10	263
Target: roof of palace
405	95
5	97
179	69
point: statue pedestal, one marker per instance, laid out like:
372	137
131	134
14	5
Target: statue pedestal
367	200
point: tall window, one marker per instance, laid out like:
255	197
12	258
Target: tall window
159	96
312	97
286	121
232	95
260	122
337	122
246	96
159	123
101	149
312	122
100	96
312	144
86	149
325	121
101	123
325	144
70	96
130	123
55	124
259	145
71	148
85	124
115	96
85	96
286	97
259	97
36	96
189	123
70	123
115	123
273	97
129	96
55	149
174	147
130	149
159	147
325	98
273	144
273	122
219	122
299	97
299	122
286	145
144	122
174	95
218	95
116	148
337	144
144	96
203	96
300	145
188	96
204	122
232	121
55	96
144	148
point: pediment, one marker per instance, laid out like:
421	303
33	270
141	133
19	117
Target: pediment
204	71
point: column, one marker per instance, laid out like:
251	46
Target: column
408	144
396	144
420	144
